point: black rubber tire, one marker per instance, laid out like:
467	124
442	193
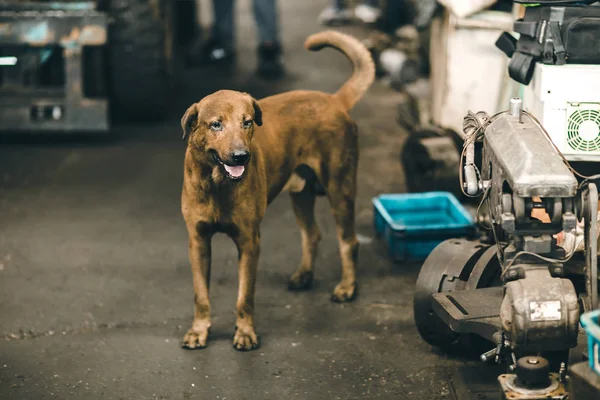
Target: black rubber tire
430	327
432	279
138	66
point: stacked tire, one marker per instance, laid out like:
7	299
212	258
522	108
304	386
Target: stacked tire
140	59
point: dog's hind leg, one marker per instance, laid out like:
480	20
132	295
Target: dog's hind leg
304	208
341	190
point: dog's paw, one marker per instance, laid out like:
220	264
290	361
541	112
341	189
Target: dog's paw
344	293
301	280
245	340
195	339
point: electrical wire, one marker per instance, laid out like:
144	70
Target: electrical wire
469	139
546	259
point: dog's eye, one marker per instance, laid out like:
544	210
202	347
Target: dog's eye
247	124
216	126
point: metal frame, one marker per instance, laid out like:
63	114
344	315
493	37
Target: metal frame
527	174
590	213
70	26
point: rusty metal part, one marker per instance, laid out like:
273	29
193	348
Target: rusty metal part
540	312
511	389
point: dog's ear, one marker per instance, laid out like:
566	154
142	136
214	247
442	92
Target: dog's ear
189	120
257	113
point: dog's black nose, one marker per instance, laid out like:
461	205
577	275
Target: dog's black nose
240	157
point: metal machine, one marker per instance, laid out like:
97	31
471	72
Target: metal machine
565	99
523	293
75	65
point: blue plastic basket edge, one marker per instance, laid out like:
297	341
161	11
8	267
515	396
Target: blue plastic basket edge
397	227
591	326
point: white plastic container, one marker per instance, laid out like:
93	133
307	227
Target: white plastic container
468	72
465	8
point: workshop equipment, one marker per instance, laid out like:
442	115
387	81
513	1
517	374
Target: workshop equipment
566	100
76	65
532	380
523	294
556	58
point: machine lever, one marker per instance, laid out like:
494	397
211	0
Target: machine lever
490	355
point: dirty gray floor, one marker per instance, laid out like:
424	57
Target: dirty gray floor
95	287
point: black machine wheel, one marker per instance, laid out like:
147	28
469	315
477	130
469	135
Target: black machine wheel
140	58
447	269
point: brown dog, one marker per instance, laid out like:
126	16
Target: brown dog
235	166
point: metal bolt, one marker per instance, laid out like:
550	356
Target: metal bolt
516	107
557	271
563	372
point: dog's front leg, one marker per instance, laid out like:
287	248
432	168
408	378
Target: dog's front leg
248	244
200	255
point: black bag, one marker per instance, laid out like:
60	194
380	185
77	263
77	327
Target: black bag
557	34
555	2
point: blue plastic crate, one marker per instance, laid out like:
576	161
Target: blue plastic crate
591	324
412	225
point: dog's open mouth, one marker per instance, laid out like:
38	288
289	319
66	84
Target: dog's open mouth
233	172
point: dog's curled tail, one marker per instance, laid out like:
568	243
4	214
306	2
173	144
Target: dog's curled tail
364	68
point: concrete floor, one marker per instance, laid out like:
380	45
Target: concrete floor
95	287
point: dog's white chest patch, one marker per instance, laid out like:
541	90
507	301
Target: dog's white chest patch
295	184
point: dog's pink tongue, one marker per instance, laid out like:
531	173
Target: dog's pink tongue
236	171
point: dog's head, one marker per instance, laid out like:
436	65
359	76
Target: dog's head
220	128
